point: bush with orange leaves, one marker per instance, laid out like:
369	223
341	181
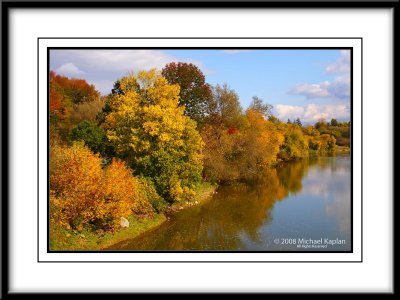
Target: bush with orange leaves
240	153
83	193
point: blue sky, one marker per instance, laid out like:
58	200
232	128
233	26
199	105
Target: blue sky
309	84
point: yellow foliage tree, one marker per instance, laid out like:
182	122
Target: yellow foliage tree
151	133
262	140
295	145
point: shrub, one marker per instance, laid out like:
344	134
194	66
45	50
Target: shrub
83	193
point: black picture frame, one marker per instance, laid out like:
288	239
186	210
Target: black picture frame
8	6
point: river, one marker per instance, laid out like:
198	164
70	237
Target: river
303	205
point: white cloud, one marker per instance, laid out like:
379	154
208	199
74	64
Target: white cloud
234	51
102	66
340	87
311	113
310	91
341	65
69	69
116	60
337	89
288	111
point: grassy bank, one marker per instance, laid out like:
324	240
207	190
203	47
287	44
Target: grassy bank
62	239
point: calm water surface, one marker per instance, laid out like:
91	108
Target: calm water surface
301	206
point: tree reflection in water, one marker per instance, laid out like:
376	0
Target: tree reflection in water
233	218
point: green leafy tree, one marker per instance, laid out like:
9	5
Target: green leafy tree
93	136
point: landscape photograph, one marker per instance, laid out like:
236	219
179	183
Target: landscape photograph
206	150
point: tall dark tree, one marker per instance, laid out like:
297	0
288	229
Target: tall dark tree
195	93
298	122
334	122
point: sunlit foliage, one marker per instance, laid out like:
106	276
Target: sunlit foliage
82	193
295	145
151	133
237	153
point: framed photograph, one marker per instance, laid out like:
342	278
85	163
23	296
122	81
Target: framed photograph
217	149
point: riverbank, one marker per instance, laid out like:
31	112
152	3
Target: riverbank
203	192
73	240
342	150
62	239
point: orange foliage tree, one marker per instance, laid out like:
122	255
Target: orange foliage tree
66	95
82	193
238	153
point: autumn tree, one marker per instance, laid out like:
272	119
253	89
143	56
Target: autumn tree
261	144
224	108
243	153
221	134
87	111
82	193
257	104
71	101
149	130
195	93
77	90
310	130
60	104
328	144
295	145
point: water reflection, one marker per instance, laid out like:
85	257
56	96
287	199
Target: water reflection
307	199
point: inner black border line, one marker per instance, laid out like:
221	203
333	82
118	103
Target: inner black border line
203	48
